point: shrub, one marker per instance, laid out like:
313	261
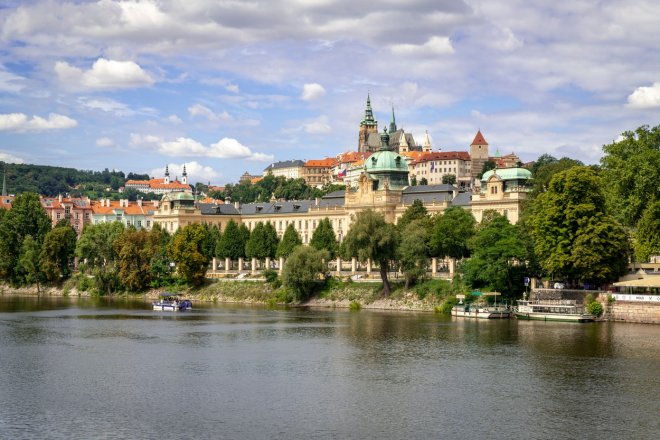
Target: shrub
448	304
595	308
270	275
355	306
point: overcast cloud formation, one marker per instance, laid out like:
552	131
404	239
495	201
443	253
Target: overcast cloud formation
230	86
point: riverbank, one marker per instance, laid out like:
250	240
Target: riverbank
335	295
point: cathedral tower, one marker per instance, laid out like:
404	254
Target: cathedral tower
367	125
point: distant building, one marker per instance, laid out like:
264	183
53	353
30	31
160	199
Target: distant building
161	186
434	165
247	177
369	138
137	214
289	169
77	211
319	172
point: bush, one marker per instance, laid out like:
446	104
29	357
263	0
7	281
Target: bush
270	275
355	306
595	308
304	271
447	305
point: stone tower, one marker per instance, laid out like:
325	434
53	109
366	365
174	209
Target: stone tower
184	176
367	125
166	181
478	155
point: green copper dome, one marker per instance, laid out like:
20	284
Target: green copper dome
508	174
182	196
386	161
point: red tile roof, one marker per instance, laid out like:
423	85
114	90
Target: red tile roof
479	139
158	183
321	163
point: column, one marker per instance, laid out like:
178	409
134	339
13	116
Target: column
214	264
281	268
338	266
240	264
267	262
434	266
254	266
227	264
452	267
368	266
353	264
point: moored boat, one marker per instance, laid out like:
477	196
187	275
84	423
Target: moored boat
172	302
480	311
552	310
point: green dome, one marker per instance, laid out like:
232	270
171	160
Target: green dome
384	161
182	196
508	174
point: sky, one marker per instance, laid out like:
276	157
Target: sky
229	86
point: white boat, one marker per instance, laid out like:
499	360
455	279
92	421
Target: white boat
480	311
171	302
552	310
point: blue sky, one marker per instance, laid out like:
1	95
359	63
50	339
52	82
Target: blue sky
230	86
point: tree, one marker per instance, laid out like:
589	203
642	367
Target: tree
416	211
413	249
498	258
28	262
304	270
371	237
543	173
232	241
631	172
324	238
26	217
423	181
413	180
488	165
213	236
290	240
57	252
647	235
543	160
449	179
574	238
262	242
451	233
95	245
187	251
159	266
135	250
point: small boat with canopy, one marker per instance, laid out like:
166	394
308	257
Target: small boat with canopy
172	302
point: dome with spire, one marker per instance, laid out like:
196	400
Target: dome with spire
386	167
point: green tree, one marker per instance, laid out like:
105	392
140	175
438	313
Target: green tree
543	160
449	179
28	262
647	235
262	242
187	251
451	233
371	237
135	251
488	165
95	246
232	241
498	258
544	173
26	217
304	270
416	211
159	266
631	172
290	240
574	238
324	238
423	181
57	252
213	236
413	250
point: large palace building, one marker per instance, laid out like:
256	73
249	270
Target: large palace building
382	185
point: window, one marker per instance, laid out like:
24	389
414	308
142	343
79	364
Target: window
59	215
139	225
148	223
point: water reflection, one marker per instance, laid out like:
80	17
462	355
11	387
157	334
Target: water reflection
252	372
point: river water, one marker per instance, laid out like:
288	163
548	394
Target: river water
104	369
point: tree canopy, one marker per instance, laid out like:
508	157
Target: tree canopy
290	240
303	270
263	242
451	232
187	251
647	234
574	237
324	238
371	237
631	172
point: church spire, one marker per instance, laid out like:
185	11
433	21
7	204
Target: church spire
384	140
166	181
393	122
184	175
368	113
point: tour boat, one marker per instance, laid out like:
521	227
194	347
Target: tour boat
552	310
480	311
171	302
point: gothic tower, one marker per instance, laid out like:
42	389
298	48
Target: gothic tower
166	181
367	125
478	155
184	176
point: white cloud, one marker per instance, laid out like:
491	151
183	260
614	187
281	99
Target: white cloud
20	122
140	140
196	172
174	119
104	74
107	105
10	83
312	92
225	148
434	46
10	158
318	126
105	142
200	110
645	97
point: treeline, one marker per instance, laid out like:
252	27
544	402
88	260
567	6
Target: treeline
272	187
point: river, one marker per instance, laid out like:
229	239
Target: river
73	368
